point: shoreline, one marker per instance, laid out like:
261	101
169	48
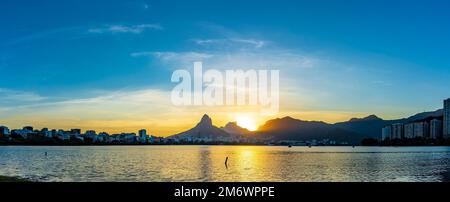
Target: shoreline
12	179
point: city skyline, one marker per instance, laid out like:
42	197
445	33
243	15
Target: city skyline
430	127
85	64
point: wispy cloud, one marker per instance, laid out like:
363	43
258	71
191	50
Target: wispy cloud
226	38
238	42
134	29
77	32
256	43
182	57
276	59
8	95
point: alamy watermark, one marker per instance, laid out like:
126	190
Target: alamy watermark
230	87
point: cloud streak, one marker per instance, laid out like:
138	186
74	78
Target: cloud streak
242	42
182	57
133	29
14	96
276	59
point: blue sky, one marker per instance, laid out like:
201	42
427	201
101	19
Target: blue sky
337	59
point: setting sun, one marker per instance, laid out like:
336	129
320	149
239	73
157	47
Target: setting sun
247	122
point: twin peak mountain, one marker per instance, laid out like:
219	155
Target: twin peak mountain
205	129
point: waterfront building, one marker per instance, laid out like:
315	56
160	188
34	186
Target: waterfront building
22	132
397	131
25	132
114	138
29	128
446	123
435	129
46	133
409	130
421	129
143	137
91	134
142	132
154	139
127	137
77	136
62	135
386	132
60	132
75	131
102	137
4	131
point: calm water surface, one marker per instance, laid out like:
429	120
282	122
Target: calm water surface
206	163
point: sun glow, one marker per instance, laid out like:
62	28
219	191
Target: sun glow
247	122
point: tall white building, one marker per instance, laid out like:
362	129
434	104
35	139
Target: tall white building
421	129
90	134
142	132
386	132
435	129
446	124
143	135
4	131
409	130
102	137
397	131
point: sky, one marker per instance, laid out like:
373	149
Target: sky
107	65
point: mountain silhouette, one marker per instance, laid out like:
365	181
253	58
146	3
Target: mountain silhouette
424	115
367	127
368	118
352	131
233	128
288	128
370	127
204	129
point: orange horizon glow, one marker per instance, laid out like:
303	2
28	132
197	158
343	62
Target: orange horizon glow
247	123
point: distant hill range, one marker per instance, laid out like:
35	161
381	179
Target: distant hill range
288	128
371	126
352	131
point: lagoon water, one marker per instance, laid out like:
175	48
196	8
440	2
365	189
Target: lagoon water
206	163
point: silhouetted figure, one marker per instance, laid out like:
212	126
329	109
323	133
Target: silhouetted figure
45	153
226	162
